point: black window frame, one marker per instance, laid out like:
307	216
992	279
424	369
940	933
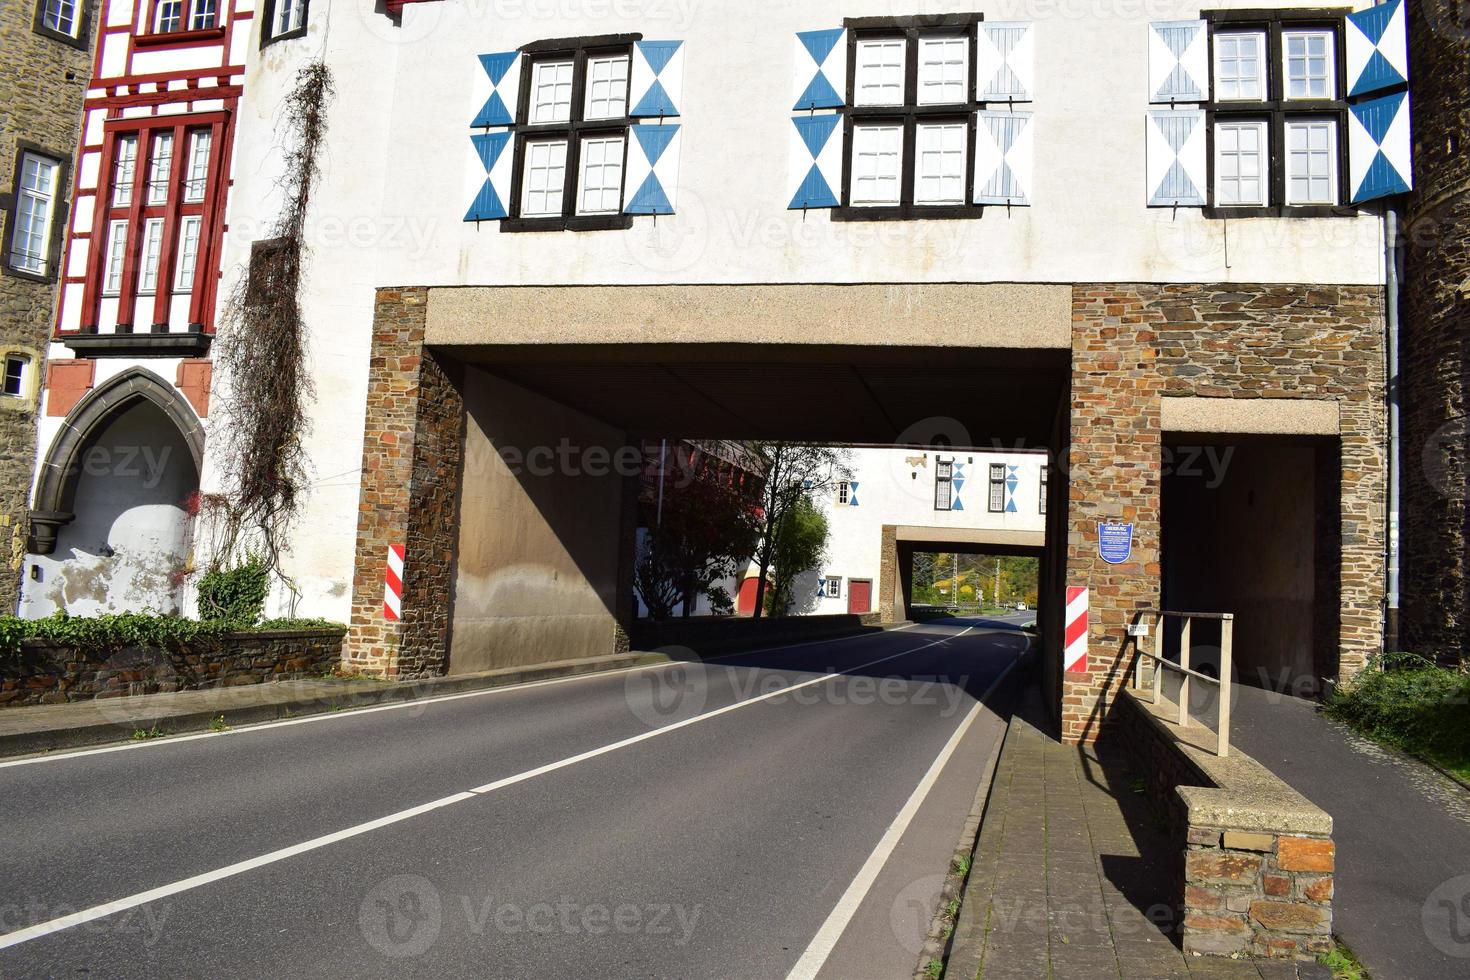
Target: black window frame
84	25
909	114
268	17
59	218
947	480
1275	110
573	131
995	477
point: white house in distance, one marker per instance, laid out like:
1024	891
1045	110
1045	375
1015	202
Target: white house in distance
929	500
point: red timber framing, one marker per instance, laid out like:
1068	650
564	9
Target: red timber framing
140	95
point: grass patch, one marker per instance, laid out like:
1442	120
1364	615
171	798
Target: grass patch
1343	964
1411	705
143	735
217	724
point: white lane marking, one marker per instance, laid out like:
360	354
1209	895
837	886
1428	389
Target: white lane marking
816	953
50	926
351	712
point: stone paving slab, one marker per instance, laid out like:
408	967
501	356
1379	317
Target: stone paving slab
1074	877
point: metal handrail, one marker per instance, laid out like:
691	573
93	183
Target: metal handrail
1227	635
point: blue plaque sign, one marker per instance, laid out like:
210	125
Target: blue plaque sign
1114	542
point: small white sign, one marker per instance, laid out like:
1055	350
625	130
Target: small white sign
1138	629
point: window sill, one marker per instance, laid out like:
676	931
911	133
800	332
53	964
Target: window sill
599	222
179	38
1285	211
266	40
909	212
43	277
80	43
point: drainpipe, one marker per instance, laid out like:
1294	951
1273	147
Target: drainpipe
1391	325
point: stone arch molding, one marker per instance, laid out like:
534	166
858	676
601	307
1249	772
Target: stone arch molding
52	507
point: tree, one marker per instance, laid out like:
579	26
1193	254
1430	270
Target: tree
707	526
792	472
801	544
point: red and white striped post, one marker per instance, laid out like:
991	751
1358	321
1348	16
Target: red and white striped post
393	585
1074	650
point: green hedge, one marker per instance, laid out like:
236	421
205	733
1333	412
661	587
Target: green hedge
115	631
1412	705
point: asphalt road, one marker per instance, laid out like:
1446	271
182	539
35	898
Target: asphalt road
751	817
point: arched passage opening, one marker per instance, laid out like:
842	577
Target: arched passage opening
113	521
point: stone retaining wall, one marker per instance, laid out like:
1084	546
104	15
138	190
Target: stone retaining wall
1257	856
52	673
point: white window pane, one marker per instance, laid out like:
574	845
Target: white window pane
290	15
877	161
189	231
124	171
607	87
1239	59
1311	163
1240	156
602	176
940	151
34	208
944	70
152	246
551	92
1309	64
117	247
544	179
160	165
879	72
198	174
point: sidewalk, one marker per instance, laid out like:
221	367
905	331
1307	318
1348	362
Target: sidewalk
1402	830
47	728
1073	876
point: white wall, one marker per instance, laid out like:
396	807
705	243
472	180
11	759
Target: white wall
398	177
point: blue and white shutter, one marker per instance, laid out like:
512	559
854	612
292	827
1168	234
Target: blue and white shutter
1175	148
1013	480
820	76
651	181
815	177
1178	61
490	169
656	82
1004	148
498	84
1377	48
1005	61
956	484
1379	148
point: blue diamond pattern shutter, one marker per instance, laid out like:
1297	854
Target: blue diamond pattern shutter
815	175
1174	138
1380	148
491	161
656	83
1377	49
820	69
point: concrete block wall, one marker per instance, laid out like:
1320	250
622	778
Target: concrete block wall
1137	344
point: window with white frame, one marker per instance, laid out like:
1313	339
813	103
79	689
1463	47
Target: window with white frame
878	76
1041	498
125	163
160	167
17	371
1308	62
1240	163
1240	65
1277	115
997	487
545	179
37	191
117	247
152	252
910	109
172	16
62	17
189	231
573	132
284	18
943	484
832	587
1311	161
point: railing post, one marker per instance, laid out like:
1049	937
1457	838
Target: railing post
1184	678
1227	633
1158	648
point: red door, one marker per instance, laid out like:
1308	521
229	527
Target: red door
859	595
745	601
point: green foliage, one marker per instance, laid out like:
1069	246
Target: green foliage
110	632
290	623
1343	964
720	601
1412	705
235	595
800	545
218	724
143	735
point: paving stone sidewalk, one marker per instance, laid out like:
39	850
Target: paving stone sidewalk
1074	876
